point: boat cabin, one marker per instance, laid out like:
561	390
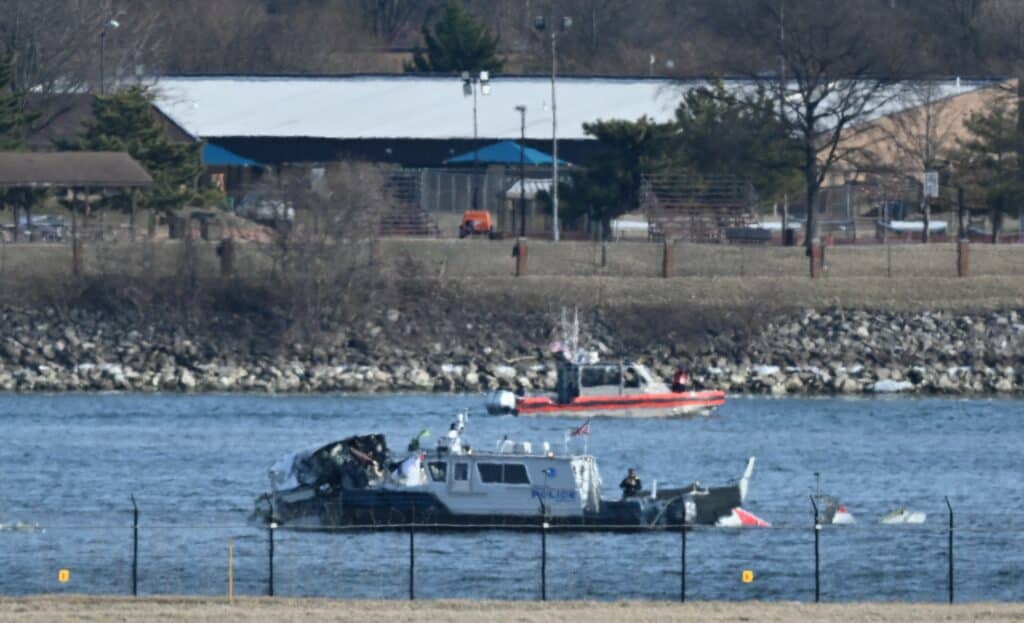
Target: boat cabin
604	379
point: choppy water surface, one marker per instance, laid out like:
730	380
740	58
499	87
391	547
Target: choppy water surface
69	463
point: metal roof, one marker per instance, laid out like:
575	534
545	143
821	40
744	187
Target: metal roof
215	155
354	107
72	169
410	106
505	152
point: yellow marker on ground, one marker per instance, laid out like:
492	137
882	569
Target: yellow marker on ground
747	576
63	576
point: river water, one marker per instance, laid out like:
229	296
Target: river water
69	465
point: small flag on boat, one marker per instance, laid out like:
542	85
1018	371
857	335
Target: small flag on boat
584	429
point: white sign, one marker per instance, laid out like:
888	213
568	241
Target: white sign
931	184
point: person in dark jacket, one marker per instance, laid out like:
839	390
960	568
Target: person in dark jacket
631	484
680	380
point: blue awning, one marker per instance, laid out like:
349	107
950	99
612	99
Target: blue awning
217	156
505	152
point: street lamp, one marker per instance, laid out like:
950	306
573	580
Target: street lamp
103	49
522	170
564	23
470	85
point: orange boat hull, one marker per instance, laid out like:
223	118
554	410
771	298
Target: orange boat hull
627	405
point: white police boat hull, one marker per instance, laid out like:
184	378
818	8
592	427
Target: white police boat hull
358	482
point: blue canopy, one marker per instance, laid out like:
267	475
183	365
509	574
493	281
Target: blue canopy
505	152
215	155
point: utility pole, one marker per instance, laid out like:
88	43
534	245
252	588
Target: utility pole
469	87
564	24
103	52
522	170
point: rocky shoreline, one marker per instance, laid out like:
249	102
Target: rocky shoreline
828	352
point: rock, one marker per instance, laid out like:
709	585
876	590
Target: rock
420	379
188	382
888	386
849	386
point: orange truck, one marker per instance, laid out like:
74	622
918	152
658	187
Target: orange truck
477	223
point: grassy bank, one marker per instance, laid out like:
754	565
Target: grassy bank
49	608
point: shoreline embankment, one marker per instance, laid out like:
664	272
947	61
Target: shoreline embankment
463	348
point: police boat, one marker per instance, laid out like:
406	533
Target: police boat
359	481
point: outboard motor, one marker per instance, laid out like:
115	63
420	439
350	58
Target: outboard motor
500	402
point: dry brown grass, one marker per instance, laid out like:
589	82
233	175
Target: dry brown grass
64	608
719	278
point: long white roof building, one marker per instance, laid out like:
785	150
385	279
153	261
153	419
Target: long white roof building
418	107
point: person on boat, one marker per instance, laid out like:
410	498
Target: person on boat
680	380
631	484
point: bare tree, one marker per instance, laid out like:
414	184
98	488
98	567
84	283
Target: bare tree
837	75
327	254
58	42
920	137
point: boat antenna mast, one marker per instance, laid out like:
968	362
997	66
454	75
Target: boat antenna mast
570	334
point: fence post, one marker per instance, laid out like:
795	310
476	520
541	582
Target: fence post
270	557
667	263
817	557
963	248
135	548
682	558
950	507
412	553
519	252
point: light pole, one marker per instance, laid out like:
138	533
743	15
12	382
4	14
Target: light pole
103	50
469	87
522	170
564	23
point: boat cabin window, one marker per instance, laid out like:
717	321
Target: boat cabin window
438	471
507	473
516	475
490	472
597	375
461	471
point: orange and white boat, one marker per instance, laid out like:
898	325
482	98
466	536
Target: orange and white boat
586	387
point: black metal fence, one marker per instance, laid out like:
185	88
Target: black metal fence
797	559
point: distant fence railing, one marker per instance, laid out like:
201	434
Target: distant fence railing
475	258
796	559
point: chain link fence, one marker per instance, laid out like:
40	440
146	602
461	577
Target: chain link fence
102	552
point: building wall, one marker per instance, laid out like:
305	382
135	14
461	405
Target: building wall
898	142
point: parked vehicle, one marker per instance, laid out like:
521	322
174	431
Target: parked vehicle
477	223
263	209
44	228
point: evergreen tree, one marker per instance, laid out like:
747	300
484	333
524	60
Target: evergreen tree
125	121
610	186
721	132
458	43
14	121
14	124
987	161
